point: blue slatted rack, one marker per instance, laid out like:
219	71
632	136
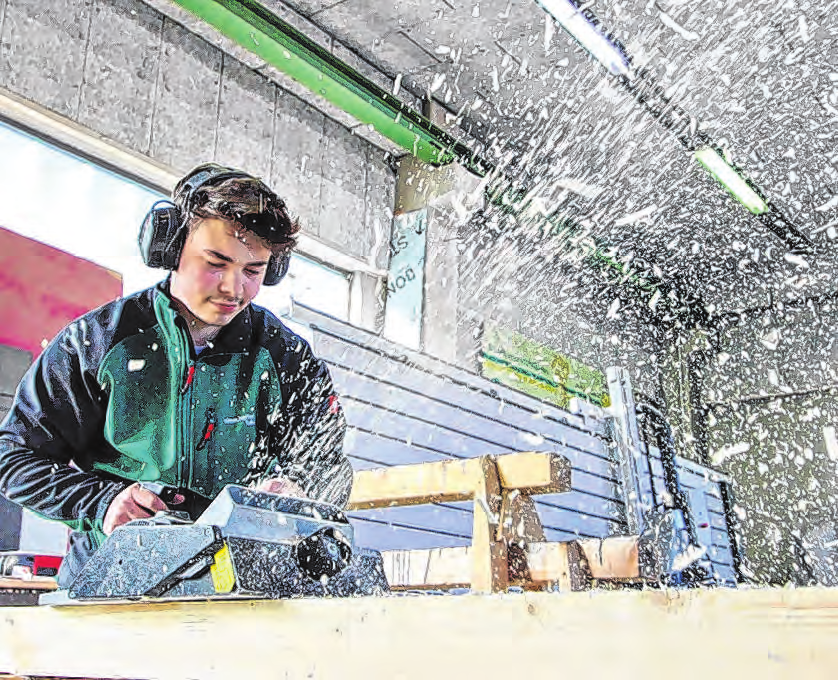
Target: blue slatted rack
405	407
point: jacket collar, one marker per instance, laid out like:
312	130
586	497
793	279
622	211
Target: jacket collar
234	338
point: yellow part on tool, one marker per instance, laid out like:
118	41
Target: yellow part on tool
223	575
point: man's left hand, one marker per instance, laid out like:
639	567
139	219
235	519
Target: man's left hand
281	486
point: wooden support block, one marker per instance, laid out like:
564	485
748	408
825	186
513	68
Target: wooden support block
615	557
556	563
534	472
561	559
533	565
519	528
519	520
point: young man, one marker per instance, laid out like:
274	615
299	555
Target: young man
186	384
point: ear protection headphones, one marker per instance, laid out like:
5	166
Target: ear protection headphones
164	229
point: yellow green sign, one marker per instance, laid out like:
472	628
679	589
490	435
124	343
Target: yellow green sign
514	360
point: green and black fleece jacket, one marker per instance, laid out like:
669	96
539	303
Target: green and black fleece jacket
120	396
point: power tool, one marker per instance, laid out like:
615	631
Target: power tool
246	544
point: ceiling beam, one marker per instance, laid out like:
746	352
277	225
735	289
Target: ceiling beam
287	49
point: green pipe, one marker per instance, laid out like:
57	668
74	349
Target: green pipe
292	52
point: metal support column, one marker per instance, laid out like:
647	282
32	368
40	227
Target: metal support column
627	448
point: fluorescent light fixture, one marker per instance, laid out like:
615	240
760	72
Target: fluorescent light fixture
730	180
586	34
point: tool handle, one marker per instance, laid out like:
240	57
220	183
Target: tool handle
165	492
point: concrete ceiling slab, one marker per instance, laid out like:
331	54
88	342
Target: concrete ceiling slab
759	77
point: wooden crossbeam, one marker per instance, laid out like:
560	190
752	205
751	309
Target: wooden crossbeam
446	481
455	480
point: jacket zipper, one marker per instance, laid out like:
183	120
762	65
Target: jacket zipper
209	428
185	459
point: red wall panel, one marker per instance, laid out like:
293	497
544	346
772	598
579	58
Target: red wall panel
42	289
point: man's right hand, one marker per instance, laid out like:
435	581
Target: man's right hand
135	502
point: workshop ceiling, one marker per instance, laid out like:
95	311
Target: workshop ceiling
760	77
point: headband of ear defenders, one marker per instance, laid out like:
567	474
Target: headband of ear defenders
163	232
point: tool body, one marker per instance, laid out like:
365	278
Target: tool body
247	543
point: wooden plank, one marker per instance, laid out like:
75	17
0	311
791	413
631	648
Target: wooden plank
325	327
572	518
405	428
402	441
538	565
583	503
557	563
456	480
434	569
452	480
457	518
770	634
35	583
362	463
561	572
388	537
575	512
379	451
454	518
475	478
455	567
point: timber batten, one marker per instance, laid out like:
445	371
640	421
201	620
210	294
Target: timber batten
777	633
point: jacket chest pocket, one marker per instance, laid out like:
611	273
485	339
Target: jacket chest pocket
227	421
221	446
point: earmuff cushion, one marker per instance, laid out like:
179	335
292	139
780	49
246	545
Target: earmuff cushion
162	237
277	269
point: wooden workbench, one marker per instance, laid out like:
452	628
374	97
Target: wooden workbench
789	633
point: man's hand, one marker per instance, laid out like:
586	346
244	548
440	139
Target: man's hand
281	486
135	502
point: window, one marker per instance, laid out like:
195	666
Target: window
311	284
66	202
71	204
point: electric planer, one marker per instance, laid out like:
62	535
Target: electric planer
246	544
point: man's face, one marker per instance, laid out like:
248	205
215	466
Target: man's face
220	271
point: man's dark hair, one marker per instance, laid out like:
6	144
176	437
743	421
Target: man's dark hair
237	199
